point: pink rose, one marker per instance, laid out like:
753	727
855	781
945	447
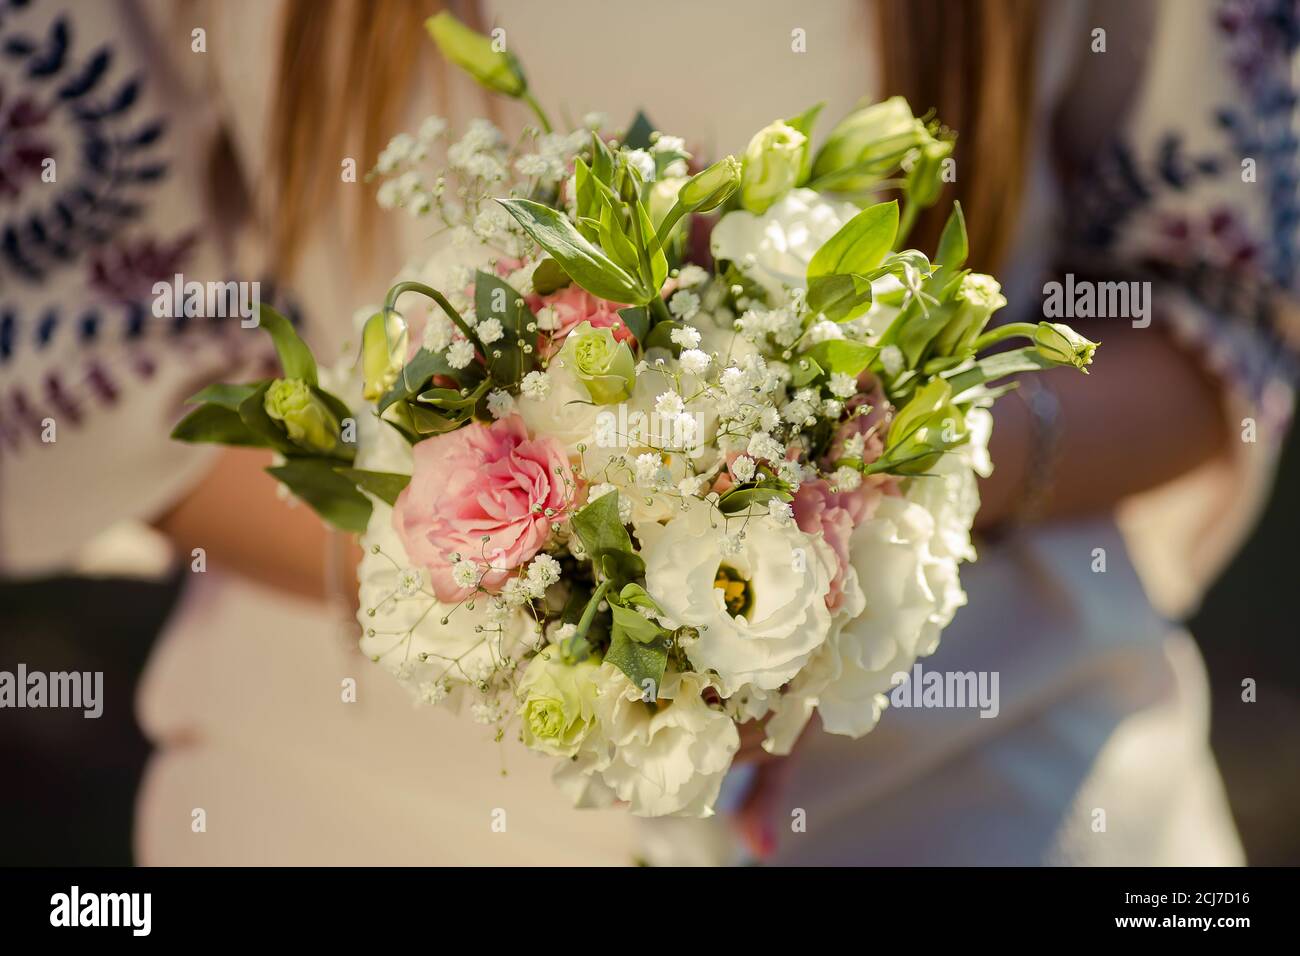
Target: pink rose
835	514
481	480
570	307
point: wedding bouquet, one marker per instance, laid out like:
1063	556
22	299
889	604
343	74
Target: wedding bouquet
622	482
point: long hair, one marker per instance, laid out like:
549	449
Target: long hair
972	61
345	69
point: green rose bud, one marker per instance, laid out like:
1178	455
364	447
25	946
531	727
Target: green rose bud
772	165
383	353
927	426
558	708
1061	344
977	299
498	70
711	188
603	364
869	144
308	420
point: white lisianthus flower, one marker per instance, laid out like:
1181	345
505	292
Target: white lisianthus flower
905	590
759	603
774	249
663	760
406	634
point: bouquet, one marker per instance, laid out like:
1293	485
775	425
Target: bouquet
647	450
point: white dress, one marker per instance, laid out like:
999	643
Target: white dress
1103	703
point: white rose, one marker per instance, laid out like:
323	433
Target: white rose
666	760
774	249
779	616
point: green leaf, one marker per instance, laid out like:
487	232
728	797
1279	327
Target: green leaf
426	421
805	370
620	566
295	358
219	425
660	337
549	277
839	297
860	244
494	298
583	262
599	528
637	627
920	328
746	496
328	493
843	356
994	367
637	320
640	662
227	396
416	373
384	485
638	134
953	244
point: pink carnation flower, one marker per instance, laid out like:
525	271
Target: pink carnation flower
481	480
835	514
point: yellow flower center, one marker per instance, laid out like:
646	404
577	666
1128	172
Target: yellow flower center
736	592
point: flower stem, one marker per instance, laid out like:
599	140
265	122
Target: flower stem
396	291
1004	332
540	113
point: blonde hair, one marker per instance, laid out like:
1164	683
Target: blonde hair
982	87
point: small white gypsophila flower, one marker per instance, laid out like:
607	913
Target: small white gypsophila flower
694	361
684	305
490	330
854	446
485	712
595	120
410	582
691	275
464	573
763	445
460	354
480	669
438	332
562	633
668	144
824	330
642	162
395	153
742	469
691	485
432	128
843	385
515	593
791	472
547	320
669	404
647	467
532	165
545	570
732	544
780	511
500	403
832	408
686	429
769	419
433	692
389	195
498	612
846	479
535	386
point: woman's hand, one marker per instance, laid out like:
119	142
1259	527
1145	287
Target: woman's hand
756	818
